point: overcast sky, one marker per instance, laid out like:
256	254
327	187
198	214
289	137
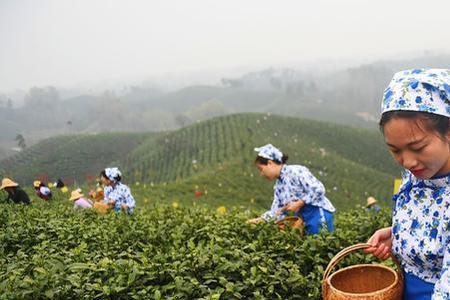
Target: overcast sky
59	42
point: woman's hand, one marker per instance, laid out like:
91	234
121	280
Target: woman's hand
255	220
111	202
124	207
381	243
292	206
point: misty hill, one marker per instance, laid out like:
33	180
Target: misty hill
216	158
349	96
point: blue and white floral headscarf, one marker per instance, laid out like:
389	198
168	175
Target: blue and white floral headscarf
270	152
113	173
423	90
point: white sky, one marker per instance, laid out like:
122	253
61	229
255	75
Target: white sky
44	42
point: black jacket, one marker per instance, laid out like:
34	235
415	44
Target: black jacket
18	196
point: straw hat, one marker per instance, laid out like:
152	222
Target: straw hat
371	201
76	195
6	182
36	183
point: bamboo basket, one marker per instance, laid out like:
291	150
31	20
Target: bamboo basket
101	207
363	281
293	222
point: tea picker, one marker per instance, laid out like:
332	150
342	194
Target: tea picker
295	190
415	125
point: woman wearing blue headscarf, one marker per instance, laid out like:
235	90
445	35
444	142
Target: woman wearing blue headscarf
415	124
116	194
296	189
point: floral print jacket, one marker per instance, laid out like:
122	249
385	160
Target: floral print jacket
297	183
122	195
420	230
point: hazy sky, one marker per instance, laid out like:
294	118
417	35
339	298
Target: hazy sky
59	42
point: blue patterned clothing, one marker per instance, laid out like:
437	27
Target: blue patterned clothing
122	195
424	90
374	208
421	230
297	183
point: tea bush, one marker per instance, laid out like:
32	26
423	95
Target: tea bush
50	251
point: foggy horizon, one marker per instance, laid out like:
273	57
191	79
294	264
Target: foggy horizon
71	43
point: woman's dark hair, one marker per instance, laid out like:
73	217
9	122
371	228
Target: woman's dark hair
263	161
433	122
60	183
11	190
103	174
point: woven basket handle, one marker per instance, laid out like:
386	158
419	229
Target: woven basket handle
289	219
344	252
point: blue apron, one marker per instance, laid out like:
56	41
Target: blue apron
315	218
416	288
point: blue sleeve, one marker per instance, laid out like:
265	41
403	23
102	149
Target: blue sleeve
128	198
271	214
106	192
442	286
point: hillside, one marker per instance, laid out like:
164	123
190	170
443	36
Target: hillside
215	159
349	96
71	157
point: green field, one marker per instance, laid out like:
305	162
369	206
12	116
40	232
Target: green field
216	158
50	251
195	188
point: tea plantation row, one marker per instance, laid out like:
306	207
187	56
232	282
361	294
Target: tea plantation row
50	251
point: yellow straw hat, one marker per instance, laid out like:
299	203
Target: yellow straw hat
371	200
6	182
76	195
36	183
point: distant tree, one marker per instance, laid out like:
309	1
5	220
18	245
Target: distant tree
276	83
45	97
233	83
182	120
20	141
5	101
208	109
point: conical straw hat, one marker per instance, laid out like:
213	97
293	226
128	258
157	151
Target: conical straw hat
371	200
76	195
6	182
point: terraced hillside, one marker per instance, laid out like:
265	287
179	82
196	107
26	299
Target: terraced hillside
71	157
212	161
216	158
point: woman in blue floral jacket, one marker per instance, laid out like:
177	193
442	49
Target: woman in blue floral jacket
295	189
415	125
116	194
